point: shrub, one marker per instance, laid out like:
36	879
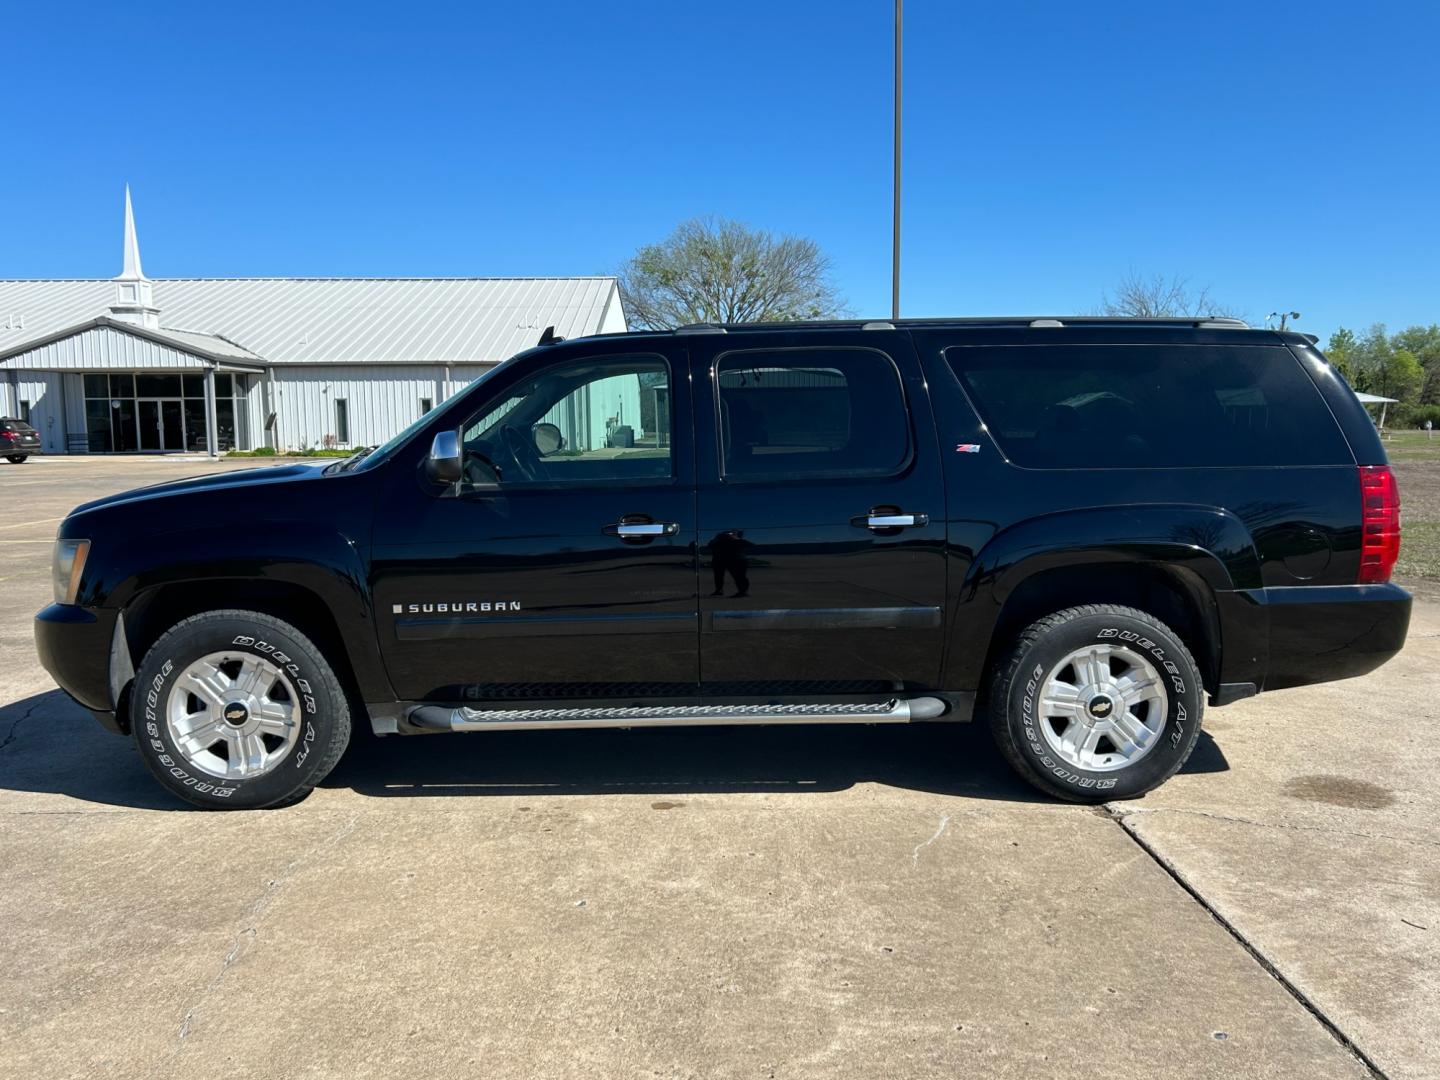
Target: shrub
1416	415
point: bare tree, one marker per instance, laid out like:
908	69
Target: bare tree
1159	297
716	270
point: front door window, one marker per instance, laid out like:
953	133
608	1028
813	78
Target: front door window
594	421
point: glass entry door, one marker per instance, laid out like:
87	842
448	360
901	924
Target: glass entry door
162	424
172	425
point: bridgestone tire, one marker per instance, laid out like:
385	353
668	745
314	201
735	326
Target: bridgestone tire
324	713
1015	685
16	459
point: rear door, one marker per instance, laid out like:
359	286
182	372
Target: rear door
821	516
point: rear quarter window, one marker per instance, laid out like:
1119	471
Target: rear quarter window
1144	406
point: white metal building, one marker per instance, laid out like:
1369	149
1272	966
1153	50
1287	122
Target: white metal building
167	364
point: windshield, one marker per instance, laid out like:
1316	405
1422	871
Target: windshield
383	451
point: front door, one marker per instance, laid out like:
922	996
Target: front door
151	435
162	424
562	566
821	517
172	425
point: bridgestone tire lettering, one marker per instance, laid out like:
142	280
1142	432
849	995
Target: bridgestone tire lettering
323	703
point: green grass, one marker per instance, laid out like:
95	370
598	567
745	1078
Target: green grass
1412	446
1419	551
1416	460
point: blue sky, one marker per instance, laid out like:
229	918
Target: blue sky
1282	154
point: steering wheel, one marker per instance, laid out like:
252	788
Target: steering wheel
527	458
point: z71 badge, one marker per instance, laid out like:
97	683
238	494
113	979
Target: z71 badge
459	607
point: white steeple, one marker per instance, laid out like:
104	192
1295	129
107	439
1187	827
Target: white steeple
134	295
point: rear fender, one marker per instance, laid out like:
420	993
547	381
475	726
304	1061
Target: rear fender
1206	550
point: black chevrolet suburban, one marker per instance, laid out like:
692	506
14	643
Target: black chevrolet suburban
1081	529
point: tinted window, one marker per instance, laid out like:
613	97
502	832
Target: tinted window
342	420
591	421
811	412
1141	406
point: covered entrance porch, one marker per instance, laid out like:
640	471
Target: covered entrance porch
113	388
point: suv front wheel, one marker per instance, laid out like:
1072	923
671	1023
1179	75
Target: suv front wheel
238	710
1096	703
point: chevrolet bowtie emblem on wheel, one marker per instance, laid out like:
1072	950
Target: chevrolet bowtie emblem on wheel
458	607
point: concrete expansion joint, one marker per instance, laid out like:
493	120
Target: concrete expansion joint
253	919
1121	818
1141	811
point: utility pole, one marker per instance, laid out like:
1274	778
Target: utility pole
895	250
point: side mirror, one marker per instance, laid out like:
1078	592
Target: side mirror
443	464
547	439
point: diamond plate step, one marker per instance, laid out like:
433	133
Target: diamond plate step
894	711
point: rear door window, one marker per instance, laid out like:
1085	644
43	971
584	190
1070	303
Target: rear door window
1144	406
794	413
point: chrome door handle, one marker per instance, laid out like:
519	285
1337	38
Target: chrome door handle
631	530
896	521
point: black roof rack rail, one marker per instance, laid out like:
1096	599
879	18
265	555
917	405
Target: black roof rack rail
1193	321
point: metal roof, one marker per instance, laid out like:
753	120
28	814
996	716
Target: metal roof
207	346
333	320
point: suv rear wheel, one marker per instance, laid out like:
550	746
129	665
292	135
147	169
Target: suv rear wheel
1095	703
16	459
235	709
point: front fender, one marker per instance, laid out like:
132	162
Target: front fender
305	555
1208	547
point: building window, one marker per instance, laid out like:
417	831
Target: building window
426	404
25	411
114	405
342	421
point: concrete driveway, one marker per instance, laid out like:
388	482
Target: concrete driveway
882	902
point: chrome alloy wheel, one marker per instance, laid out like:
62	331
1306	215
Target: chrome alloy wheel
1102	708
233	715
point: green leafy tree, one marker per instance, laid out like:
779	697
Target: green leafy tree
1344	352
1401	376
716	270
1424	342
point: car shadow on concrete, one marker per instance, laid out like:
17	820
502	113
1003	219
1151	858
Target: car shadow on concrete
49	744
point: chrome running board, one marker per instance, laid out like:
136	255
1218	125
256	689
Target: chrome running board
895	711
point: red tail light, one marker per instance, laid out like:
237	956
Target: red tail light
1380	539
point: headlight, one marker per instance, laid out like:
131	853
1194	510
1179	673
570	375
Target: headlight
65	570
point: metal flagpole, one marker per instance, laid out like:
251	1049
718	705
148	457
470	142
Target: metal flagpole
895	253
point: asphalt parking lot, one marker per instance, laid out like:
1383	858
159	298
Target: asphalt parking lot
883	902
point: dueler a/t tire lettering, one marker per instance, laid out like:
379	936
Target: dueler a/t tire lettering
322	710
1014	689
